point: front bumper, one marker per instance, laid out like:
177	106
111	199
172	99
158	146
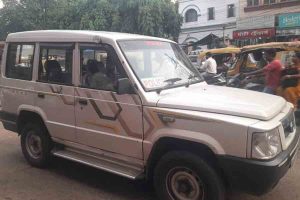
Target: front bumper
258	177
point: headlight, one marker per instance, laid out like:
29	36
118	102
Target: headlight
266	145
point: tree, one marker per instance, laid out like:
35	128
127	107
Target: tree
97	15
150	17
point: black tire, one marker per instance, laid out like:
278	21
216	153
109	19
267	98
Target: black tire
175	166
40	156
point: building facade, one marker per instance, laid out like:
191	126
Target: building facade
262	21
204	17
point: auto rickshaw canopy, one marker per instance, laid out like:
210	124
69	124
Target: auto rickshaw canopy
220	51
283	46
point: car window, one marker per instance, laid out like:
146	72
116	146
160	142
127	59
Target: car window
159	64
55	63
20	61
100	68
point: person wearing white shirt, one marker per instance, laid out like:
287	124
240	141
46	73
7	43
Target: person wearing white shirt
210	66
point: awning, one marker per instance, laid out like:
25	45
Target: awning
206	40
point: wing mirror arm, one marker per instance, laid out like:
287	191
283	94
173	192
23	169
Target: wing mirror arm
124	86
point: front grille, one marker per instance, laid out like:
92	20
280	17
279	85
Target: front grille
289	124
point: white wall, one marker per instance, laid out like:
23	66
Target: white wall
203	26
268	12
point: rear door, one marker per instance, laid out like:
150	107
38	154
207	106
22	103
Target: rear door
104	119
17	85
55	91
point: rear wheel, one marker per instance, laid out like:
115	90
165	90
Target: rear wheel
36	144
185	176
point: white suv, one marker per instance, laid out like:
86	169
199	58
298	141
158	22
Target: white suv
135	106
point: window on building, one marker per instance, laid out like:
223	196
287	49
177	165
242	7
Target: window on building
191	15
267	2
56	62
230	10
252	3
211	13
20	61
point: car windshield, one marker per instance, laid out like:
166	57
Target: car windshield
159	64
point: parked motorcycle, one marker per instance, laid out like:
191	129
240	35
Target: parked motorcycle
218	79
241	81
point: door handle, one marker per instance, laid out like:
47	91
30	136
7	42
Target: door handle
41	95
83	102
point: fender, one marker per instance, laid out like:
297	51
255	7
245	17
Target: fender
196	137
33	109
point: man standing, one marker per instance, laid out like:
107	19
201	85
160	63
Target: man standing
210	66
272	72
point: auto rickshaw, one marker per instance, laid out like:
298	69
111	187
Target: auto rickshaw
224	57
251	57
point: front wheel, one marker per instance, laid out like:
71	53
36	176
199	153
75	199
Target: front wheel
185	176
36	144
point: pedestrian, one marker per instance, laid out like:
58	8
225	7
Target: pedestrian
210	66
292	94
272	72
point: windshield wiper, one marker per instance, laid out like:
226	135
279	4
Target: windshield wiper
172	80
172	59
191	75
169	82
189	80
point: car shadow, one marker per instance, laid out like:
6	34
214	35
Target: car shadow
104	181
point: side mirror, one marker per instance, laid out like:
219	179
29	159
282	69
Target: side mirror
124	86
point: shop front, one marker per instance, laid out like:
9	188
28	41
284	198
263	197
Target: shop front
254	36
288	28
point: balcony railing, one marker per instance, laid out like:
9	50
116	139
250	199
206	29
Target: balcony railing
276	5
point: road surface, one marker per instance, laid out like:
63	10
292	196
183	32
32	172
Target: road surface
65	180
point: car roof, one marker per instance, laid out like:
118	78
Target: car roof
74	36
285	46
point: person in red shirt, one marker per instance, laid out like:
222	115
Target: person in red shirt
272	72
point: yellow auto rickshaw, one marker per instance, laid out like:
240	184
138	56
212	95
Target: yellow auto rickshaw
251	57
224	57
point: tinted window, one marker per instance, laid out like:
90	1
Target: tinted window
100	67
20	61
55	64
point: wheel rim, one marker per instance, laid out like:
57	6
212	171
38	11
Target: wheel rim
34	145
184	184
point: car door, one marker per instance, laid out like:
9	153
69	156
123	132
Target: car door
104	119
55	92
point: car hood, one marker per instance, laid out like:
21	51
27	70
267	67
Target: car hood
225	100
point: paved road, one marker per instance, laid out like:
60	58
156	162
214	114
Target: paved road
65	180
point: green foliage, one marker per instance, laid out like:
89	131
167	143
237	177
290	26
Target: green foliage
149	17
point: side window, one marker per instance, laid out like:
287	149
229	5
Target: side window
20	61
55	63
99	68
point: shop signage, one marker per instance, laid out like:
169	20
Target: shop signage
287	32
253	34
256	22
289	20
